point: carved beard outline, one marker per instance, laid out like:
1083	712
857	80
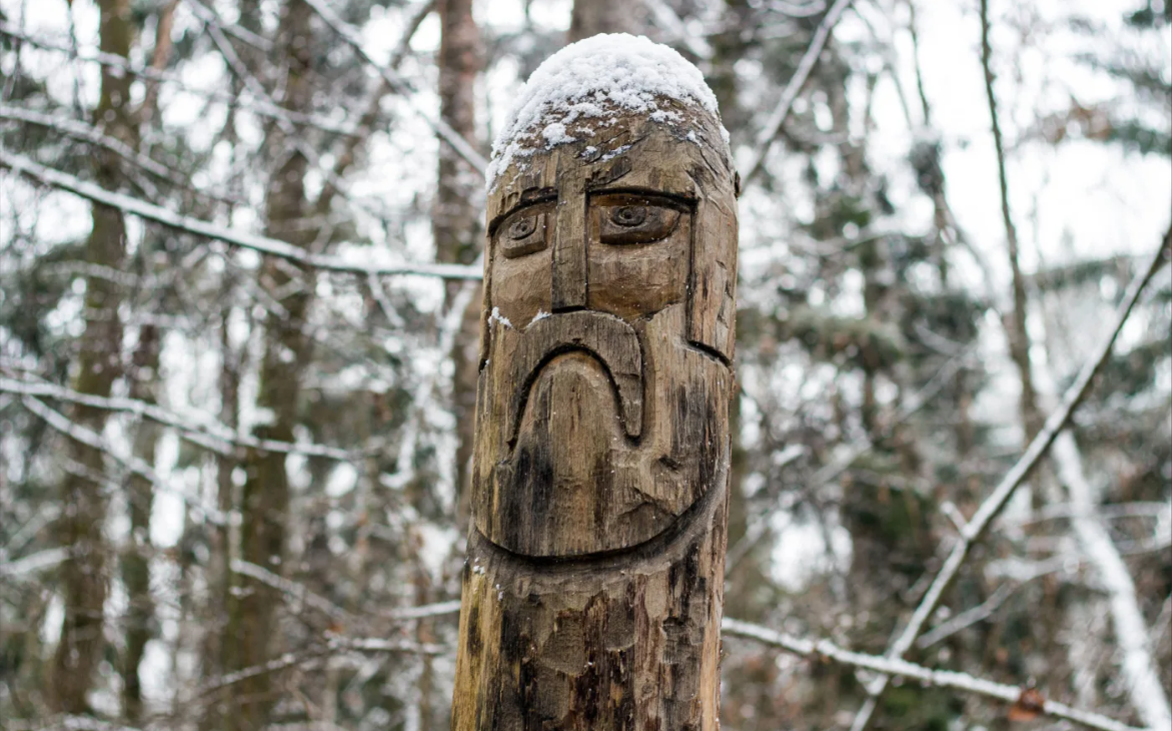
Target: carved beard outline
581	487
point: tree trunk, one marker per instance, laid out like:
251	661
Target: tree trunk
456	217
265	496
136	574
1015	319
98	366
594	583
591	17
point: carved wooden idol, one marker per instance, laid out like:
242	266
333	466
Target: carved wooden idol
593	587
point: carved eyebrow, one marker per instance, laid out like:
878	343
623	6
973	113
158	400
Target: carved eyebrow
529	199
652	197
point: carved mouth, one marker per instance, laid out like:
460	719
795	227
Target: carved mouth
606	338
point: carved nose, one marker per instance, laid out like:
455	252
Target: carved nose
569	249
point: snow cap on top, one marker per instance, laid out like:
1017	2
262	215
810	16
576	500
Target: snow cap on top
590	82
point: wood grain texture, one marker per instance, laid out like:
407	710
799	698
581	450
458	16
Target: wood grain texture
593	588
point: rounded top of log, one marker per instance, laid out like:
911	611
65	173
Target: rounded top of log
589	90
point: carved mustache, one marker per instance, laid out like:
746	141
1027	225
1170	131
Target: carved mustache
608	339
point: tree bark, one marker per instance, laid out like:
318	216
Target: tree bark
265	495
1015	320
591	17
98	366
136	574
594	584
456	217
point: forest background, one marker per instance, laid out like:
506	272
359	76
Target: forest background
238	263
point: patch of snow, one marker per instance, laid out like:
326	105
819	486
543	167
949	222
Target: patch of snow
615	153
595	79
541	314
555	134
496	316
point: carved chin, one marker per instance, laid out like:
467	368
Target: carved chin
591	458
570	461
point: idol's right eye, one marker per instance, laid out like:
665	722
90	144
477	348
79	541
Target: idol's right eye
524	232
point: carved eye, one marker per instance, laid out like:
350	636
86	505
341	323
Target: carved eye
523	234
637	224
521	228
629	215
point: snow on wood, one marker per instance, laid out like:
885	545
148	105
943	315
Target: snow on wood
579	89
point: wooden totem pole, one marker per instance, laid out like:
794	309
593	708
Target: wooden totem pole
593	587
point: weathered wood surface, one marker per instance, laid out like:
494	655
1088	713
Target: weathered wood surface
593	587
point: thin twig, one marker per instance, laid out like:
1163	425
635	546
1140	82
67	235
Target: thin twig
794	87
399	84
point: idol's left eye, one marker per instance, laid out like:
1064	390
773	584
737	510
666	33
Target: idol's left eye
637	222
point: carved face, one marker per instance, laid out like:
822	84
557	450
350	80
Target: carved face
604	383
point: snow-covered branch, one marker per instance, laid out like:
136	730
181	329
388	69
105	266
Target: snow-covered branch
206	432
992	506
34	563
1137	666
261	244
438	609
134	465
968	617
824	649
89	133
78	723
1131	633
374	644
298	592
110	60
